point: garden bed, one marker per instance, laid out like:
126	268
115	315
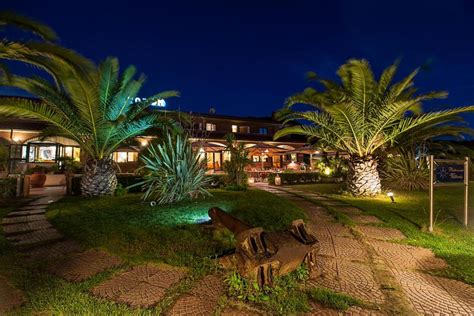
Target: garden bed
173	234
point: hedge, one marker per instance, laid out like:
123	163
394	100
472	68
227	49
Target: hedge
8	187
295	177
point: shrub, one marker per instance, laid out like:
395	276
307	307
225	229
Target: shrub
216	180
173	172
404	171
283	298
129	182
295	177
235	167
7	187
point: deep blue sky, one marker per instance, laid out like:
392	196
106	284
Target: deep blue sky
245	58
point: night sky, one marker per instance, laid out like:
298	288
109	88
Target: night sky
245	58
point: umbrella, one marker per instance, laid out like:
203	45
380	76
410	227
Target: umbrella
308	149
208	147
264	149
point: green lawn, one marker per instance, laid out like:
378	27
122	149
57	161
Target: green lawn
450	240
137	232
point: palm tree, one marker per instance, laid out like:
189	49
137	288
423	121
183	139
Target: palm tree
38	50
364	117
93	106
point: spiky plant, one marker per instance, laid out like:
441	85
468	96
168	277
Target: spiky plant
405	171
363	117
173	172
92	105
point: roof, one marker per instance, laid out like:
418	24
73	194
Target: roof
263	119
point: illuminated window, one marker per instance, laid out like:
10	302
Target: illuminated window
263	130
68	152
132	156
226	155
123	156
211	127
120	156
244	129
76	153
235	128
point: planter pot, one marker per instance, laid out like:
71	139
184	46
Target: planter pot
37	180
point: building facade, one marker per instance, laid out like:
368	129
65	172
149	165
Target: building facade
21	138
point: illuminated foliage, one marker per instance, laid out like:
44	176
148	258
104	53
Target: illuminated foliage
91	104
363	117
173	172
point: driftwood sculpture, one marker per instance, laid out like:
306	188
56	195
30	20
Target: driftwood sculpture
260	255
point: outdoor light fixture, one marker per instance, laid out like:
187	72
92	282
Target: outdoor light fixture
16	139
143	142
277	180
327	171
390	195
251	180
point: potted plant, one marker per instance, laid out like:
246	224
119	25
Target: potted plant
38	176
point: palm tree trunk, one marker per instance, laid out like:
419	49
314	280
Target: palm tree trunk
99	178
363	178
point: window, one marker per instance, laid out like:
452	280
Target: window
235	128
211	127
197	126
263	130
123	156
244	129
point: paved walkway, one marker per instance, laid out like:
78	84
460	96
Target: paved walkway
362	262
141	286
365	263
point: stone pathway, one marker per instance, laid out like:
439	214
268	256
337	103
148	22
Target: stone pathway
201	300
141	286
353	265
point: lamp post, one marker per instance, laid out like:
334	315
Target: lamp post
390	195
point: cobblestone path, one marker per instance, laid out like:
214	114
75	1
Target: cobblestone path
143	286
366	267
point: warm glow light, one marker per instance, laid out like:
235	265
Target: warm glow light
390	195
327	171
143	142
251	180
277	180
16	139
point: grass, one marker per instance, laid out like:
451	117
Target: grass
171	234
450	240
332	299
137	233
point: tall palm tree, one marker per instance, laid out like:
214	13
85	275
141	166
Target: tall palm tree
363	117
93	106
36	51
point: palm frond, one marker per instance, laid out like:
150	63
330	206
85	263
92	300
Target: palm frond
27	24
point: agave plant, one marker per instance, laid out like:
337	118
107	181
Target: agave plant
363	117
405	171
173	172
